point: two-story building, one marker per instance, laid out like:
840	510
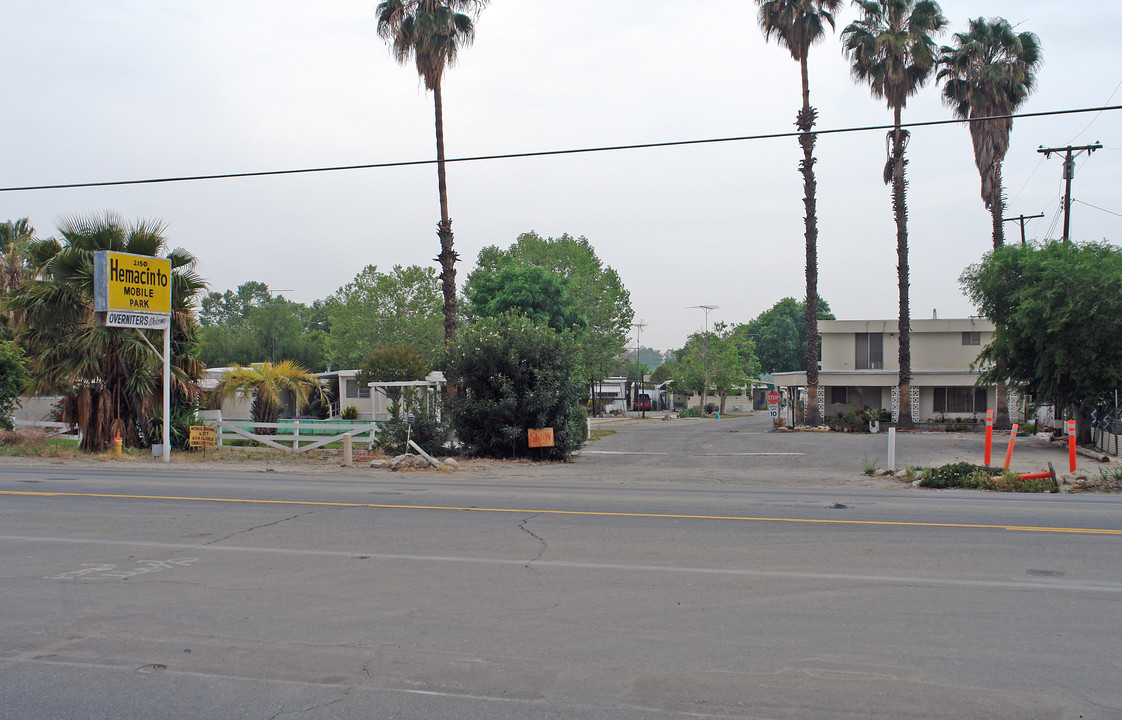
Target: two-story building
859	367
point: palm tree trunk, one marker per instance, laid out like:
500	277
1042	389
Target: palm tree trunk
807	139
900	210
448	256
997	208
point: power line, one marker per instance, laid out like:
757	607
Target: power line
539	153
1108	212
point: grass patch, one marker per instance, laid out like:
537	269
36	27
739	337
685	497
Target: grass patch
32	442
600	433
973	477
869	466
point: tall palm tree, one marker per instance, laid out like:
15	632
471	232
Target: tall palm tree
798	24
110	378
989	73
891	48
268	383
431	33
15	240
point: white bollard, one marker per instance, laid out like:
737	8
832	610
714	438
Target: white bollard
348	458
892	449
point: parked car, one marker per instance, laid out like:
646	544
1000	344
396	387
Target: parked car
643	402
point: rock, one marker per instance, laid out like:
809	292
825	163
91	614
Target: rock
380	463
451	463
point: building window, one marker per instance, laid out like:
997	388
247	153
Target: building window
354	391
838	396
960	400
971	338
870	351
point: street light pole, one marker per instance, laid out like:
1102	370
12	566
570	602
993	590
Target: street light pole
705	387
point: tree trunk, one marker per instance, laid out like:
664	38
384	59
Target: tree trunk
900	210
997	208
448	256
807	139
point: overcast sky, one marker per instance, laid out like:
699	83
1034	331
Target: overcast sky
118	89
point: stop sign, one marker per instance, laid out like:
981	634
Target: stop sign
773	398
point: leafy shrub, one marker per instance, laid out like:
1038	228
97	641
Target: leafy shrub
689	413
183	414
427	431
13	376
955	475
349	413
513	375
973	477
711	408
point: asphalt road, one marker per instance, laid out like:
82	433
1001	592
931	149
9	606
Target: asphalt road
141	593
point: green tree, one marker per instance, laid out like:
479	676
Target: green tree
780	335
431	33
393	363
269	384
15	241
723	357
111	378
251	325
892	50
596	288
528	291
1056	311
660	375
13	379
989	73
514	375
798	24
401	307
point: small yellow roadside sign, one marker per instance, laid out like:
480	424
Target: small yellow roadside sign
203	436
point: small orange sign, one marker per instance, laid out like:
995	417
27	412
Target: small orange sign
540	437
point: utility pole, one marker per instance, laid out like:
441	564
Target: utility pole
1022	218
705	390
638	372
1070	153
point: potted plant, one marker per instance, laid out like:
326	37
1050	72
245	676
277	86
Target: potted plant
875	416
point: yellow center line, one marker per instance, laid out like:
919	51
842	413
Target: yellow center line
587	513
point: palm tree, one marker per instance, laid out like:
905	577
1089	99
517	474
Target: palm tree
15	239
892	49
110	378
989	73
268	383
798	24
432	32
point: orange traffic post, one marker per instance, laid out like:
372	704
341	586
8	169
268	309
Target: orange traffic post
1009	452
117	445
989	436
1071	444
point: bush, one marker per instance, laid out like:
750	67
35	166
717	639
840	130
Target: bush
513	375
428	432
13	376
973	477
349	413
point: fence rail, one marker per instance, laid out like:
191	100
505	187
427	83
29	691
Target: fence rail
313	433
1106	425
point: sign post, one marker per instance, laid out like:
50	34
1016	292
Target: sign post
135	291
773	399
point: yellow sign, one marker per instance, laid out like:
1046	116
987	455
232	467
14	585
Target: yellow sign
134	283
542	437
203	436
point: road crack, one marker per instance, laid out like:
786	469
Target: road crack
539	538
265	525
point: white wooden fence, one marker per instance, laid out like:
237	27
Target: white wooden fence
289	435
